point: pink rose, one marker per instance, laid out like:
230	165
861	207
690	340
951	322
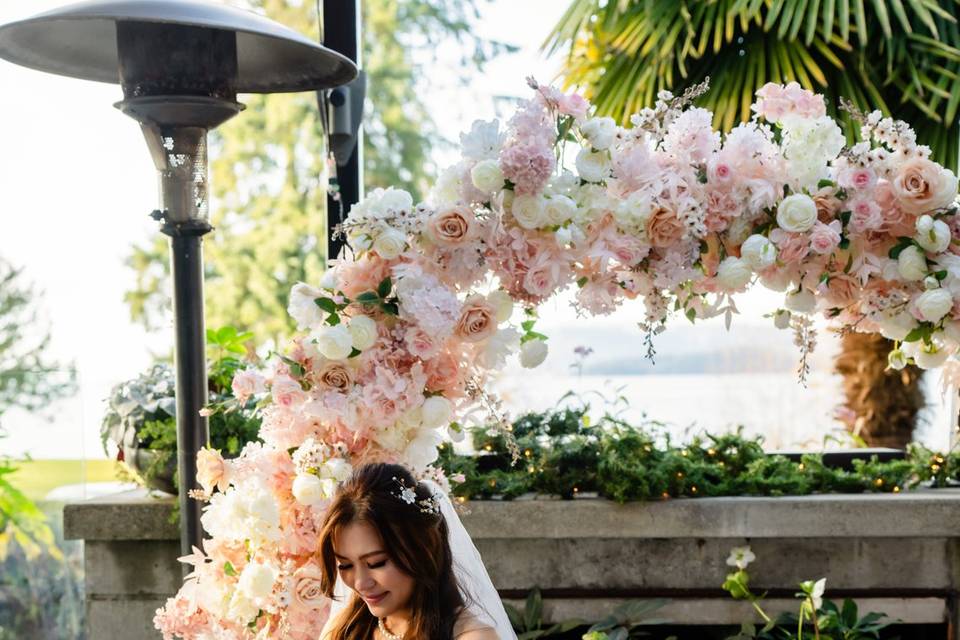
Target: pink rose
922	186
477	320
824	238
443	374
573	104
246	383
858	178
212	471
865	215
287	392
841	290
420	344
791	247
664	228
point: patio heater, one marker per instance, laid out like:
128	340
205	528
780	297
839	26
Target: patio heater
181	64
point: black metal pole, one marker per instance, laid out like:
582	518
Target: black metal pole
186	261
341	33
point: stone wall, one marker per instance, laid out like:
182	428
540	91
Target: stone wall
896	553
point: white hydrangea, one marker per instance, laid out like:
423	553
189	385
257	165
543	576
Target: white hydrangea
483	141
809	144
302	307
247	511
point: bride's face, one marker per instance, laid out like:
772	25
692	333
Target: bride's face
365	567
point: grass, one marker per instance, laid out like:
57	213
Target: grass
36	478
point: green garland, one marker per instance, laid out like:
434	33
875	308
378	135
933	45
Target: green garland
563	454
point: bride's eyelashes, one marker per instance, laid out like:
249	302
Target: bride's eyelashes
375	565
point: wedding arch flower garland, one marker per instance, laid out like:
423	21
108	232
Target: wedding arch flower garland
398	338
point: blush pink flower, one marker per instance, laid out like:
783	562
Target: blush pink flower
528	165
664	228
824	238
246	383
858	178
213	472
775	101
287	392
791	247
865	215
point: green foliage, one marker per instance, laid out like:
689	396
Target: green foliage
900	57
563	454
142	412
268	165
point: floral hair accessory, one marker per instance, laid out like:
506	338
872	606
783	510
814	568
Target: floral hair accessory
409	495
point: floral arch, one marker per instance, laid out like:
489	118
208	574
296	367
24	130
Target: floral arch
397	340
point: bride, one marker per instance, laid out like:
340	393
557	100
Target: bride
398	563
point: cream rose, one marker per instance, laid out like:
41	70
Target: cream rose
932	235
758	251
932	305
733	273
593	166
311	491
802	301
897	326
477	320
922	186
334	343
437	412
600	132
309	586
528	211
487	176
797	213
559	209
363	332
911	264
390	244
451	227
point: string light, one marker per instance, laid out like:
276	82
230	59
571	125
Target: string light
488	447
693	489
896	489
527	452
878	482
711	452
664	495
801	466
679	475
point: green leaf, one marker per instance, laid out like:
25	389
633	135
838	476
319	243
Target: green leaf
390	308
228	569
385	286
333	320
327	304
354	352
533	611
368	297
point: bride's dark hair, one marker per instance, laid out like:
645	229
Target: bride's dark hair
416	540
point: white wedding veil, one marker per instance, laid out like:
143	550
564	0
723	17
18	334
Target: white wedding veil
481	596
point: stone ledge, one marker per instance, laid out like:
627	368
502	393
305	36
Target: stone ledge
135	515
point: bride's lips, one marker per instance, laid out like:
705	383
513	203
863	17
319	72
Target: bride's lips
375	599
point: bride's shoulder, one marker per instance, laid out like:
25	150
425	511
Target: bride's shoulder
469	627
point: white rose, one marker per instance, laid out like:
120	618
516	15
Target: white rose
533	353
897	359
802	301
559	209
361	243
502	304
896	327
733	273
935	238
390	244
328	280
600	132
487	176
593	166
310	490
302	307
363	332
758	251
336	469
781	319
334	343
932	305
797	213
256	581
528	211
924	224
437	412
911	264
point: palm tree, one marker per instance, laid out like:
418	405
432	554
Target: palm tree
899	56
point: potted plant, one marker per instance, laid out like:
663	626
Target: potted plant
141	413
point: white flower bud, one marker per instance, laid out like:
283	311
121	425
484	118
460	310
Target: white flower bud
897	359
533	353
936	239
733	274
781	319
759	252
911	264
502	304
932	305
363	332
600	132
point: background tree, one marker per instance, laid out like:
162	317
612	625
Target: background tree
267	172
899	56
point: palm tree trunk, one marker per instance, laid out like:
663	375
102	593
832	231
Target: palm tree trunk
886	402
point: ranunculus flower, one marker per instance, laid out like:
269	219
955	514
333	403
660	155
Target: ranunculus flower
922	185
487	176
758	251
824	238
664	228
600	132
533	353
797	213
334	342
912	264
451	227
932	235
246	383
733	273
593	166
932	305
390	244
477	322
212	470
363	332
437	412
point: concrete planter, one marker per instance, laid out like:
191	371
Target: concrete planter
896	553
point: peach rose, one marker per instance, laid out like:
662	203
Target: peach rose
335	375
922	186
477	320
451	227
664	228
309	590
212	470
827	205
